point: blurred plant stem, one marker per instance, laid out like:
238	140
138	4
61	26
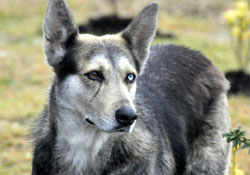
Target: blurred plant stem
234	161
238	21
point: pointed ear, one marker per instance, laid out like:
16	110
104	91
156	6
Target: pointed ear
140	33
60	31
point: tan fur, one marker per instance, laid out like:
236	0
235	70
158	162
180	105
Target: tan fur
92	38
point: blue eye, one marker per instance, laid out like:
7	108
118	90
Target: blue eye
130	78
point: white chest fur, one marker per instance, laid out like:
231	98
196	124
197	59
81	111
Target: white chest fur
78	148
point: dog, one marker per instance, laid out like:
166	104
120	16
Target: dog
118	106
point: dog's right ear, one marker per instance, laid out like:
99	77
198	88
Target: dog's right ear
60	31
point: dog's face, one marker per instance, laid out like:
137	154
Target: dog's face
97	75
104	82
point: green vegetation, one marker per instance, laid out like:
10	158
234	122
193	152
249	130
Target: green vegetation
24	75
239	142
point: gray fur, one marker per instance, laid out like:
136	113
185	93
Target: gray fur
210	152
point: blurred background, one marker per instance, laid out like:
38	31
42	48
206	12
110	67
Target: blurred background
212	27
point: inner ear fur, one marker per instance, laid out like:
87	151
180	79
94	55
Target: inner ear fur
60	31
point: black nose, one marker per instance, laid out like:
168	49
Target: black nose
125	115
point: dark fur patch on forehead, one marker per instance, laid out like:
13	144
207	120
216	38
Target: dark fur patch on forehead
114	51
109	49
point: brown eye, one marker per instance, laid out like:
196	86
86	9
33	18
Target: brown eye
95	75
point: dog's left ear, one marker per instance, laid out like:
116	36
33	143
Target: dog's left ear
140	33
60	31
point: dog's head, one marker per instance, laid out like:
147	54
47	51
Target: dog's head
97	75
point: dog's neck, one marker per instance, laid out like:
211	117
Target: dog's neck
78	142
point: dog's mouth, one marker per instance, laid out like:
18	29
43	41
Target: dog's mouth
89	121
127	129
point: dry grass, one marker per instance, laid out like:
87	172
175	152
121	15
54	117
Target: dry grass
24	75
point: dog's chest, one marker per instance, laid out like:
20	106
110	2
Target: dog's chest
78	151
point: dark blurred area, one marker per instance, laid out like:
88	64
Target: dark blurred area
239	82
105	25
111	24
